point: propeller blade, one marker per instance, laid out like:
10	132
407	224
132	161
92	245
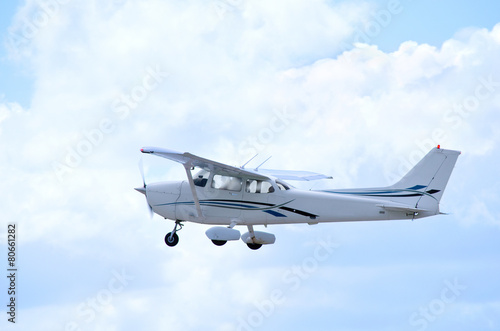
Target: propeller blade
151	212
143	188
141	169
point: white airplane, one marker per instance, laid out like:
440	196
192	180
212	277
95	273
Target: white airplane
229	196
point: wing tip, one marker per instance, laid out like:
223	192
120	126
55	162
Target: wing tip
152	150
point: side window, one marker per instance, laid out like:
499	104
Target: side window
201	178
251	186
267	187
258	186
229	183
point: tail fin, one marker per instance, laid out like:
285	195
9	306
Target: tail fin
419	191
428	179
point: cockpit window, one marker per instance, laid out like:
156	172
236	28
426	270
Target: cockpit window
282	186
201	178
258	186
229	183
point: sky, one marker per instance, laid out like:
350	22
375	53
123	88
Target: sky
359	90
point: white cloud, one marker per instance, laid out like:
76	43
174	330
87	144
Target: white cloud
228	77
7	109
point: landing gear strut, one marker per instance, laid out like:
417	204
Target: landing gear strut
172	239
251	235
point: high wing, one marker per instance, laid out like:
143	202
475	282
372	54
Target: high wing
294	175
195	161
190	160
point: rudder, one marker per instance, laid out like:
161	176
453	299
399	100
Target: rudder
429	177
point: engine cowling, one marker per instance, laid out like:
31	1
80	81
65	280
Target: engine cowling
262	238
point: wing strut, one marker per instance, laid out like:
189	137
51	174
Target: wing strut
187	166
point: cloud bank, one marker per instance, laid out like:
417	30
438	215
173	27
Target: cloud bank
226	80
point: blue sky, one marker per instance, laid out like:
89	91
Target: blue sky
361	96
13	74
427	22
433	22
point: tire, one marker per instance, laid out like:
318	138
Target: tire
254	246
171	240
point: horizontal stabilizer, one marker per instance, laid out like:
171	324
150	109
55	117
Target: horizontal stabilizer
401	207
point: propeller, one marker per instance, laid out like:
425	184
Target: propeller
143	188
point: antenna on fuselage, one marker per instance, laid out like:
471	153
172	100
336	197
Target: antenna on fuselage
257	169
243	166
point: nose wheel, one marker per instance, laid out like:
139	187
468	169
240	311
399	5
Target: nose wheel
172	239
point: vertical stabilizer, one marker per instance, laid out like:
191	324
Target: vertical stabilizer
428	178
420	190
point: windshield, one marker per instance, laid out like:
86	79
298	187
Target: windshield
282	186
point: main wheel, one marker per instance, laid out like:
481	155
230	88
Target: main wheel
171	240
254	246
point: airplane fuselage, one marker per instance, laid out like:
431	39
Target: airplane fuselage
220	194
284	205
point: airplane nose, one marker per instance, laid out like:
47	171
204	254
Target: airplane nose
141	189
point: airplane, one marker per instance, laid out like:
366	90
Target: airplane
225	196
